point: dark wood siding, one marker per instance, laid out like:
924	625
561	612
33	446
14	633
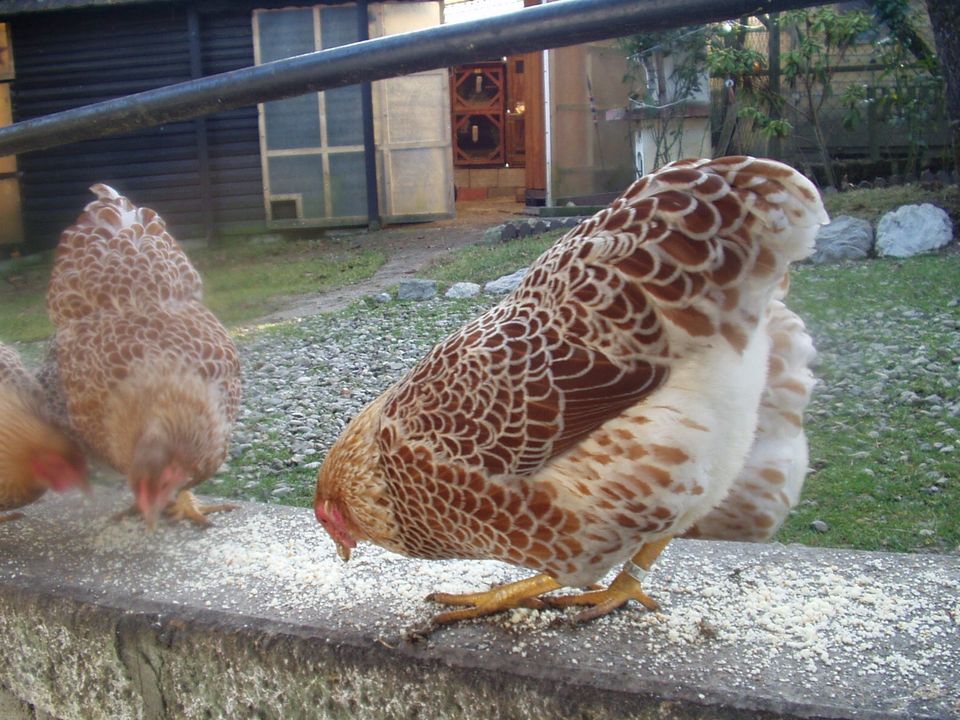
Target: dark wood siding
69	59
236	175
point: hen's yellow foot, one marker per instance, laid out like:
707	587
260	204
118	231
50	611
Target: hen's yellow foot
626	586
186	507
522	593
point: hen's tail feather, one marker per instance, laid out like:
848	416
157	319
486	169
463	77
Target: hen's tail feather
700	244
116	255
772	478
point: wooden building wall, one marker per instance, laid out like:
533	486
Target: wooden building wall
73	58
234	136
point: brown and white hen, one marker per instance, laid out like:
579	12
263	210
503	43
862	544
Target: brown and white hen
150	377
35	454
602	408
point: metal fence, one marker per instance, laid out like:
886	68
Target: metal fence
878	139
535	28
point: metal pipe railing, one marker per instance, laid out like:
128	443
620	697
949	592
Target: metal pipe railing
535	28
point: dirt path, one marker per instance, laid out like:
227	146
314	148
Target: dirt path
409	248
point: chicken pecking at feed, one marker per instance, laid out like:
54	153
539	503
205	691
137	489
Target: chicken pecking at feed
35	455
601	409
150	378
769	484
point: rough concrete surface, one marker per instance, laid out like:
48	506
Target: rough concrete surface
256	617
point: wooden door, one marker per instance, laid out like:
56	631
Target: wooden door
478	105
311	145
411	121
534	122
11	222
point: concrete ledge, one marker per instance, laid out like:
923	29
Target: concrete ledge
256	617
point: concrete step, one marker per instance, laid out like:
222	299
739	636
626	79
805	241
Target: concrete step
256	617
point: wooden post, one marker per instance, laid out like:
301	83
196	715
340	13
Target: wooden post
374	221
11	229
774	148
535	127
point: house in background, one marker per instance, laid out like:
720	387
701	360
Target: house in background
292	163
538	126
531	127
671	120
312	147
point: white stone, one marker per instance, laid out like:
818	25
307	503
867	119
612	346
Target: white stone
845	238
913	229
416	289
463	290
506	283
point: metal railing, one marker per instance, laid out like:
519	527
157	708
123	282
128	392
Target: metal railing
555	24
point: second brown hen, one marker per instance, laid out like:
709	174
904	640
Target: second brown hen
602	408
150	377
35	454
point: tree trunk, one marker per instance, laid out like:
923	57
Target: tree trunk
813	111
945	19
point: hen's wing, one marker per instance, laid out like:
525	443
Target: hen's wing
532	376
115	256
593	329
593	326
772	477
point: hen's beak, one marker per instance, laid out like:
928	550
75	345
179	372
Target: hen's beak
147	509
332	520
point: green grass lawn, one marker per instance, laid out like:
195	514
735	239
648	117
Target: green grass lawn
479	263
871	204
242	281
248	281
23	287
884	445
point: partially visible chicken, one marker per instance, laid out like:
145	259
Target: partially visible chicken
769	485
150	377
35	455
599	410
